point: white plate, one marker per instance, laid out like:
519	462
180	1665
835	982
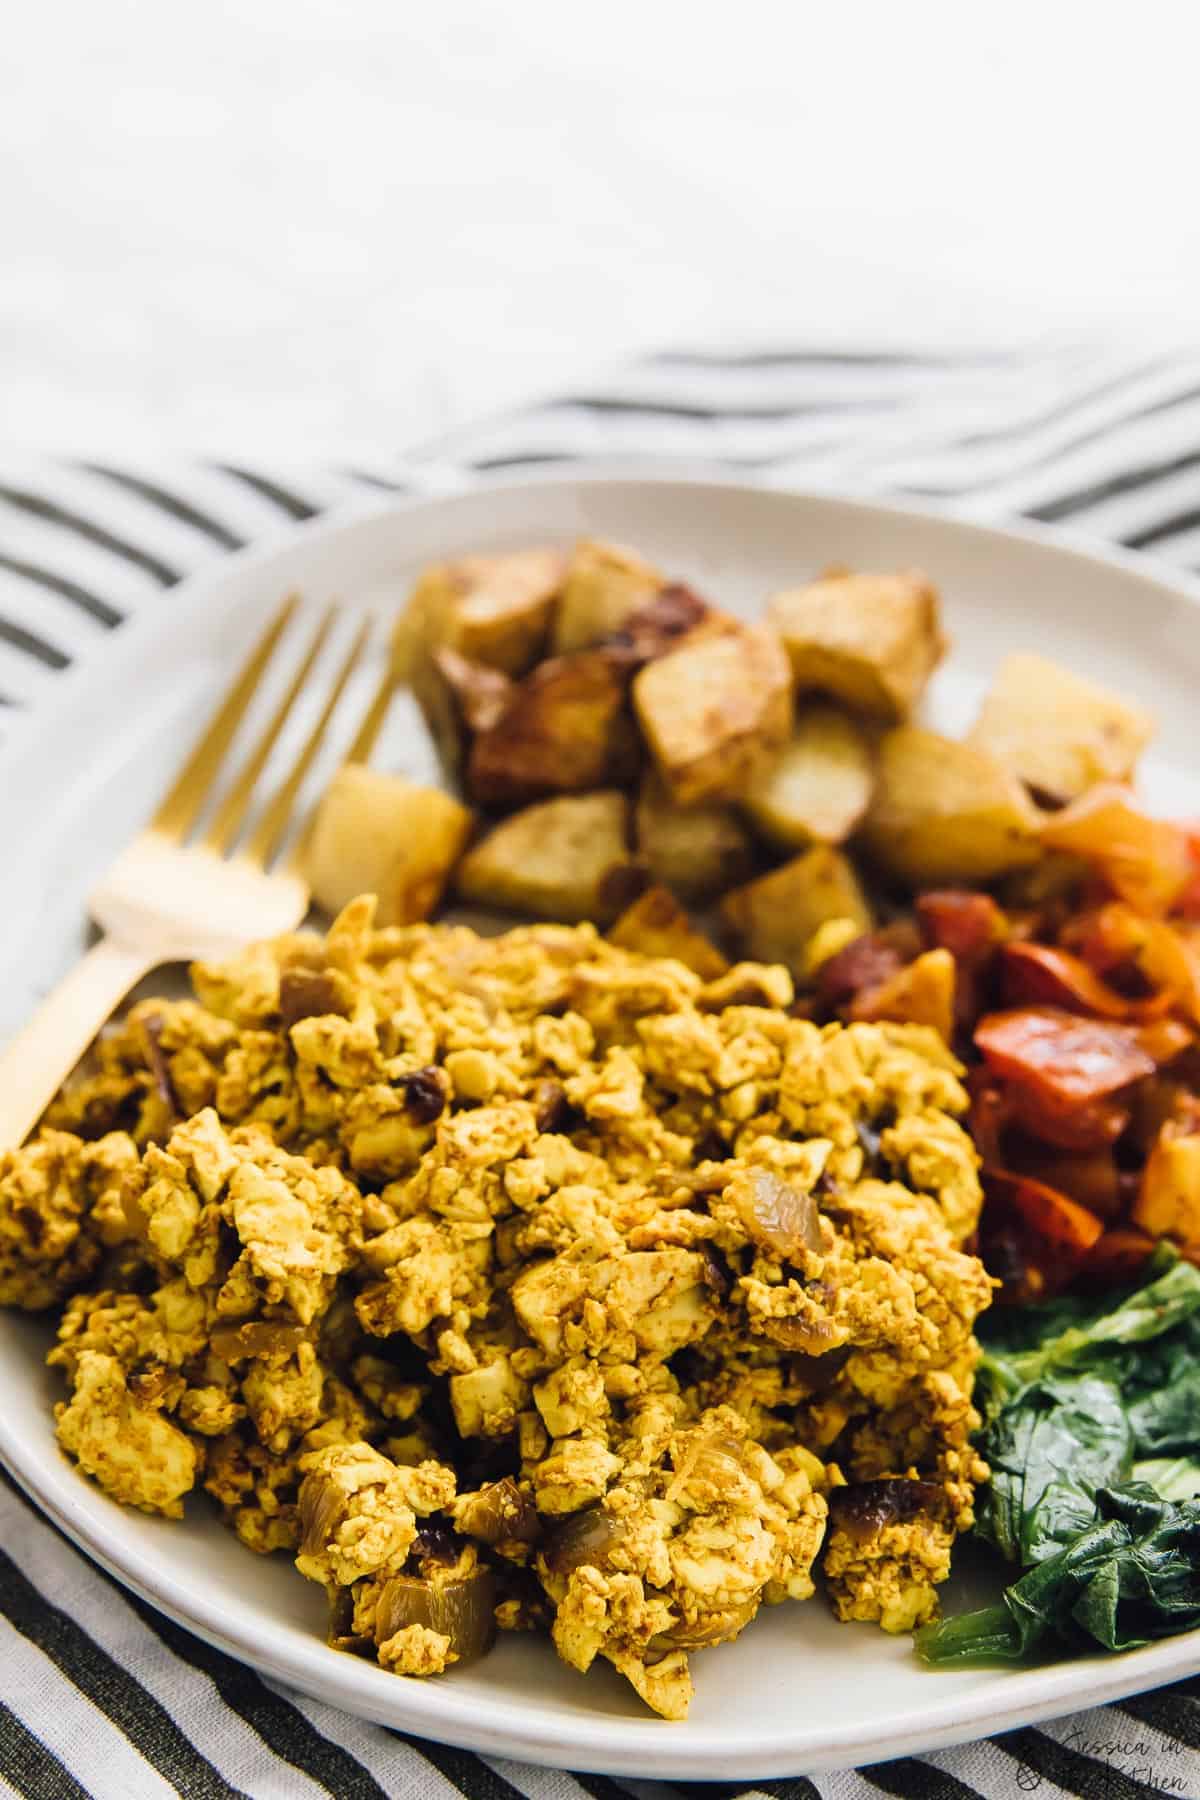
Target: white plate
797	1692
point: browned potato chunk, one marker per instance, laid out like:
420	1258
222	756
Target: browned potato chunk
492	609
1060	734
944	812
565	728
871	641
657	925
380	834
673	616
921	993
1168	1201
713	711
696	851
564	859
604	584
458	699
820	784
776	916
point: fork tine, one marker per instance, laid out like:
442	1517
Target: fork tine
274	822
231	815
179	809
359	751
372	722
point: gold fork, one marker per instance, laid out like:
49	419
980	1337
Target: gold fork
165	899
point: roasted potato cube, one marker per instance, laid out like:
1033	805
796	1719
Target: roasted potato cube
491	609
819	786
674	615
458	698
604	584
564	859
1060	734
921	993
657	925
826	942
696	851
565	728
776	916
714	710
1168	1201
944	812
871	641
376	833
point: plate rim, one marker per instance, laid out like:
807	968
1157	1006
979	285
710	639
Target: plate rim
692	473
601	1744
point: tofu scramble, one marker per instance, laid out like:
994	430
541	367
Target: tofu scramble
519	1282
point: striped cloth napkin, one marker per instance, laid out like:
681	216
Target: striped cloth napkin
100	1695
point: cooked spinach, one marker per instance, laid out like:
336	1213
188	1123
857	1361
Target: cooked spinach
1172	1477
1059	1337
1081	1401
1048	1456
1132	1576
1162	1392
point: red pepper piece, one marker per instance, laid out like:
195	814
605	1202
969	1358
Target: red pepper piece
1068	1125
1039	975
866	962
1059	1230
1165	1039
969	925
1117	1257
1063	1059
1143	860
1090	1177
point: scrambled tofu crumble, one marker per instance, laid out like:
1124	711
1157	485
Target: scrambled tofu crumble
519	1282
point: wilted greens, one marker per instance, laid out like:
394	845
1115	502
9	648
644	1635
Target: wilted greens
1093	1435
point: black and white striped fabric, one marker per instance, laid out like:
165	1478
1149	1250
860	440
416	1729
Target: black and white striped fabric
100	1695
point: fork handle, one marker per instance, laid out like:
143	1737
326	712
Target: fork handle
35	1063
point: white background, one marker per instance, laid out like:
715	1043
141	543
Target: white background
311	228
